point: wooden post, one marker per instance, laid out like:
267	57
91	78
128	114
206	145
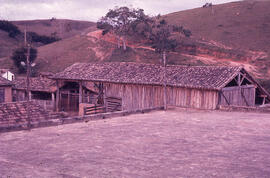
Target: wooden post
264	97
28	85
53	100
104	98
30	95
164	80
68	97
57	96
239	80
263	103
80	92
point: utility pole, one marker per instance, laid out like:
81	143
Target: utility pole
25	41
28	84
27	79
164	80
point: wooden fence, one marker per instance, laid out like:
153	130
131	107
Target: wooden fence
112	104
94	109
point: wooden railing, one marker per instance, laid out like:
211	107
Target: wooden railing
112	104
94	109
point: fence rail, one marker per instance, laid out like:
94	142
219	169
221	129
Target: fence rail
112	104
94	109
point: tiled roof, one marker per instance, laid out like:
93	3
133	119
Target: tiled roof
207	77
5	82
15	114
36	84
3	71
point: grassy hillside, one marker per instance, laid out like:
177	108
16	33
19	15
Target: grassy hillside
57	27
241	25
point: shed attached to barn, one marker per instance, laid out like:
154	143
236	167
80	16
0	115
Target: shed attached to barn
141	86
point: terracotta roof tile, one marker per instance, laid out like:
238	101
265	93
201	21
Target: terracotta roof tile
16	113
207	77
36	84
5	82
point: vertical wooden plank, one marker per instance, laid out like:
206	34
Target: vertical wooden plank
80	92
57	95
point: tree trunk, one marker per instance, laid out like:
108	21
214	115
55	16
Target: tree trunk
118	42
164	80
124	44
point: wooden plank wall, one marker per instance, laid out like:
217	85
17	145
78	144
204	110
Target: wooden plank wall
147	96
192	98
238	96
136	96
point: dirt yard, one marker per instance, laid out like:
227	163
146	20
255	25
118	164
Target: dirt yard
176	143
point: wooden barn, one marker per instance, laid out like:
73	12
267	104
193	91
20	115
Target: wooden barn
140	86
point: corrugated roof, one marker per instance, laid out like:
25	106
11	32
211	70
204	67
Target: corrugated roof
206	77
5	82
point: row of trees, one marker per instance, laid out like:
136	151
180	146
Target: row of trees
12	29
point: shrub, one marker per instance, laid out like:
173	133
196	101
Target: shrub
42	38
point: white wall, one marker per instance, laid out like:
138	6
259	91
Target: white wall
8	75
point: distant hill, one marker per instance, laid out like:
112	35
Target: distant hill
235	33
61	28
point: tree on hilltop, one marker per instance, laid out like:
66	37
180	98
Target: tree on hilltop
122	21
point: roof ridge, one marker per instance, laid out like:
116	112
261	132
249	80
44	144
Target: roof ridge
168	65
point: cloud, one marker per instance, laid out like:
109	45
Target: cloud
87	10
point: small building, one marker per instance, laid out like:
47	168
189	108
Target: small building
5	90
42	90
7	74
141	86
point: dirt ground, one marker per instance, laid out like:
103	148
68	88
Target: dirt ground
175	143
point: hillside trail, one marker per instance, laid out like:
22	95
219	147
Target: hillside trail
112	39
207	59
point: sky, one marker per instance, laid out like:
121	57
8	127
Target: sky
89	10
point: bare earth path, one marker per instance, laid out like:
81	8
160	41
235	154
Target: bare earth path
175	143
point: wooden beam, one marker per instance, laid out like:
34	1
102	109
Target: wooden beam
80	92
57	96
263	103
241	91
53	100
225	98
239	79
243	77
68	97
